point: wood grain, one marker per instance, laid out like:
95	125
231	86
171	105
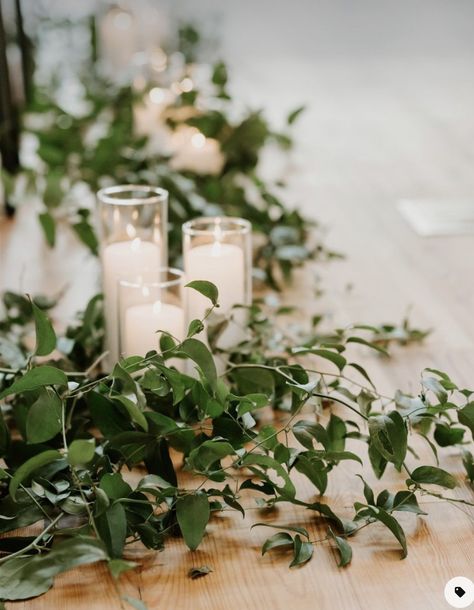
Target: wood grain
376	132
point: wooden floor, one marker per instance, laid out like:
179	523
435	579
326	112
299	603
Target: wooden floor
376	132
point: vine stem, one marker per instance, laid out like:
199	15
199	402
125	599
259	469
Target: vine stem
33	543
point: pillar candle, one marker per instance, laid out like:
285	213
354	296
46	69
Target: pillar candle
142	323
223	265
124	260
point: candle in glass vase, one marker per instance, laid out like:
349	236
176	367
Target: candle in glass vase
121	259
142	323
223	265
218	250
133	246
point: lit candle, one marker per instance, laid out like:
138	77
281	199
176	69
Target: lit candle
124	259
142	323
118	38
223	265
148	119
192	151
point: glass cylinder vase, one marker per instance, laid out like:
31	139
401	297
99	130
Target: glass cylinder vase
149	308
218	249
133	223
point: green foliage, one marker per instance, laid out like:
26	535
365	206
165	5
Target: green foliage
192	513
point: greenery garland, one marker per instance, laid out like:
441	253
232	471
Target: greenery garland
68	438
69	433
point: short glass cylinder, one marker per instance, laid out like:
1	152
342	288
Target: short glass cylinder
218	249
133	222
145	308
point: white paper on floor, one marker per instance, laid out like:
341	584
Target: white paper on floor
431	217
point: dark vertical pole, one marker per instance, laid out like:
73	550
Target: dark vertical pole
26	55
9	131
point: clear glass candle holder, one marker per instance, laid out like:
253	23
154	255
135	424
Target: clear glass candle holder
218	249
147	307
133	222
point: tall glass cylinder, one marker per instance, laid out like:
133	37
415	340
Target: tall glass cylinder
218	249
133	245
145	308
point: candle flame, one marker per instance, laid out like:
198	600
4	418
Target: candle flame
145	291
157	307
198	140
131	231
217	245
157	95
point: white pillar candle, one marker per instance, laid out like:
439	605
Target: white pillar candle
142	323
223	265
124	260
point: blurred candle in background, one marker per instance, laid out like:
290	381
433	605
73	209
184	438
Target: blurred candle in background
192	151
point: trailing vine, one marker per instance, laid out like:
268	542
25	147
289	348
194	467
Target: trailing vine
68	439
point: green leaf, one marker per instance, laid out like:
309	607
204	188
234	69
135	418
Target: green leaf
53	192
25	577
377	461
114	486
44	419
389	521
28	467
333	357
287	528
136	415
266	462
208	453
302	552
294	114
434	476
195	327
466	417
468	463
48	225
368	492
446	435
389	435
200	354
344	548
37	377
86	234
374	346
45	335
81	452
277	540
315	470
406	501
336	434
112	527
219	74
207	289
192	513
